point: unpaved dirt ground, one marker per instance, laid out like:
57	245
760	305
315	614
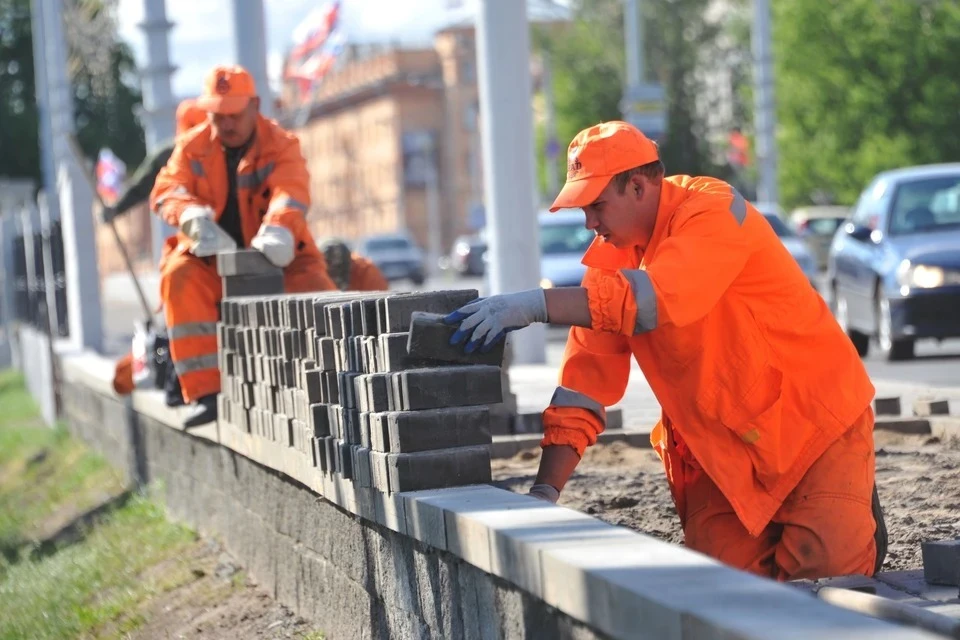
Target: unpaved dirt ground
918	479
205	594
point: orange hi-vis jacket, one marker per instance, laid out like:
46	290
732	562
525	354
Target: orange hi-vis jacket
365	276
273	185
749	366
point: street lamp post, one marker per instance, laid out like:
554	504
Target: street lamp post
503	52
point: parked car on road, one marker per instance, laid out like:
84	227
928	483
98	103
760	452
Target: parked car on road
396	255
563	241
793	243
893	271
817	226
467	254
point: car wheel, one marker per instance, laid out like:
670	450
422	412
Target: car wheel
892	348
841	311
417	279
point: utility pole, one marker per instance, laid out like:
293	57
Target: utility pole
70	188
643	103
47	164
765	119
552	149
159	106
503	54
250	44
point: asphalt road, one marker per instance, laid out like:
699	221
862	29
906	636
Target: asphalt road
935	364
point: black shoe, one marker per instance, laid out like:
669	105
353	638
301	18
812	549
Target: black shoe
203	411
881	534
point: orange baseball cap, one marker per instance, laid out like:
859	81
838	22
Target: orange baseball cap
597	154
189	115
227	90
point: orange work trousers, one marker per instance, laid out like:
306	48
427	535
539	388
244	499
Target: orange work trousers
824	528
190	290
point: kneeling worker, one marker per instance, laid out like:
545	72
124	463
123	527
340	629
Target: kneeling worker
766	431
242	177
349	271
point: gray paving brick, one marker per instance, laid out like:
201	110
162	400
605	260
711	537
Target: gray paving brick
379	471
400	307
238	286
326	357
368	317
429	339
319	420
245	262
438	469
362	465
941	561
346	460
333	321
448	387
356	318
412	431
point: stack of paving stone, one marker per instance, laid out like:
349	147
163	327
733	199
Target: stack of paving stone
329	375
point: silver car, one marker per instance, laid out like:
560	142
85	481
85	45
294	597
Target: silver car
794	243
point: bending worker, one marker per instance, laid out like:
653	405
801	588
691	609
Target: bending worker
238	180
188	117
766	431
349	271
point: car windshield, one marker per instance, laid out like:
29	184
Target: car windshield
824	226
779	226
556	239
387	244
928	205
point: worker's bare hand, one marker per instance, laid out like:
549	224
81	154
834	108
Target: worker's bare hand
487	320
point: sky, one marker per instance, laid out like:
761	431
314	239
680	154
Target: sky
203	33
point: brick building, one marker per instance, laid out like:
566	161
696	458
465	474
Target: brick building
366	135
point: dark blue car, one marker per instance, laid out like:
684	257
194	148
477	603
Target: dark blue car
893	271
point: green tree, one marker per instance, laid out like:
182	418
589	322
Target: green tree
100	68
18	108
589	62
863	86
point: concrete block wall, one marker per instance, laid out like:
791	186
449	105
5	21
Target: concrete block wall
463	562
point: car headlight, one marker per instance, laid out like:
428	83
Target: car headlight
545	283
462	249
920	276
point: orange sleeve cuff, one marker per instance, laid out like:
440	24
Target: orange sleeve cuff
571	426
612	307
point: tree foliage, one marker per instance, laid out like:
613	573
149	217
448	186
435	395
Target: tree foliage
863	86
101	68
589	65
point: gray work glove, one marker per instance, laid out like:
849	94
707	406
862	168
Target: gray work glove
487	320
545	492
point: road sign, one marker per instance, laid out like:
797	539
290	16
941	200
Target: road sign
644	106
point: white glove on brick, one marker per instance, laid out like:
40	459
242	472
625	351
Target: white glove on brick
199	224
276	243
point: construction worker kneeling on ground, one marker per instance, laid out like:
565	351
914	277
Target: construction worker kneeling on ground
237	181
349	271
766	432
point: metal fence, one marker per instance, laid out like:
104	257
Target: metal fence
30	294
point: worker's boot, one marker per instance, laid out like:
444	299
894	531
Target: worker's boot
204	410
880	537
